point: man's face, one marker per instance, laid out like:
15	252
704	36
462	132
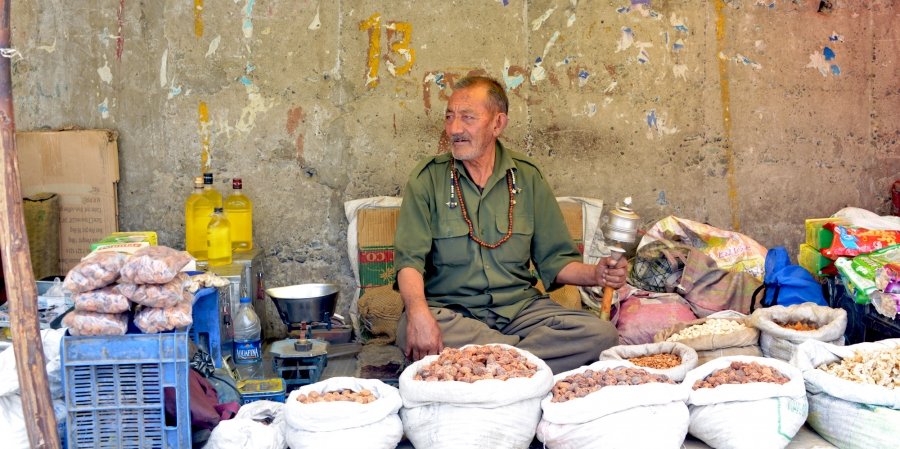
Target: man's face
471	123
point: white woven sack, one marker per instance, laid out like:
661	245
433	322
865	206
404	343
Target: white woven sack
846	413
375	425
757	415
246	431
490	413
687	354
616	416
781	343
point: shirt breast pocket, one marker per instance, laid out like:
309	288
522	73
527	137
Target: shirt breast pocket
451	243
518	248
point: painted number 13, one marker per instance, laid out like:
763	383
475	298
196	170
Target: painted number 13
398	36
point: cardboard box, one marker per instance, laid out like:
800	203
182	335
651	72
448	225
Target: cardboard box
82	167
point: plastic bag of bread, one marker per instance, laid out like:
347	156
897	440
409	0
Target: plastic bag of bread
157	295
104	300
98	270
93	323
153	320
154	265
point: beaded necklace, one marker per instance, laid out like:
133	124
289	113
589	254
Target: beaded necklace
454	188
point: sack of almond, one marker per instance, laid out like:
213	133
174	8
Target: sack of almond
720	334
475	396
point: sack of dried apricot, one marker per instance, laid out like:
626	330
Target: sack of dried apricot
668	358
475	396
782	329
744	401
612	403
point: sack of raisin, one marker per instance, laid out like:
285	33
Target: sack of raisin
475	396
343	412
612	403
671	359
782	329
853	391
744	401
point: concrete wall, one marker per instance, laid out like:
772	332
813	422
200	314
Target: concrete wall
747	114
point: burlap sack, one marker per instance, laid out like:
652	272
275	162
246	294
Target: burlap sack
42	226
380	309
709	347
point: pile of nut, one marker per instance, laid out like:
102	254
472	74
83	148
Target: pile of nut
476	363
657	361
711	326
742	373
799	326
875	367
584	383
362	397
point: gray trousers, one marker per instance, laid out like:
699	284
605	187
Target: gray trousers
564	338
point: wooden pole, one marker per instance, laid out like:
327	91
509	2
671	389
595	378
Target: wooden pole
21	291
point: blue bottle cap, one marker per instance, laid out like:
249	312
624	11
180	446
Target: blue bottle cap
245	299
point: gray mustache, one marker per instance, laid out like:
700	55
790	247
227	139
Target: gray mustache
458	138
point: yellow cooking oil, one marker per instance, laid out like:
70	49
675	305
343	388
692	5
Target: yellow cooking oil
194	237
239	210
201	210
218	235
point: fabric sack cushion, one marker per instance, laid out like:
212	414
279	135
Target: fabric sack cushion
757	415
643	314
780	343
380	309
711	289
687	354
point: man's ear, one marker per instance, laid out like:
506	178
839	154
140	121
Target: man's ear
500	122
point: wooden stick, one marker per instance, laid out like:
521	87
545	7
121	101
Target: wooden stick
21	291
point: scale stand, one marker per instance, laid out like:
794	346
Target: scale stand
299	361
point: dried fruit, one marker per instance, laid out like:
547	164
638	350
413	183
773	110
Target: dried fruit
363	396
742	373
873	367
799	326
584	383
476	363
657	361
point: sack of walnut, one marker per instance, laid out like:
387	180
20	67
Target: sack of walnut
782	329
642	356
363	423
752	415
614	416
854	402
721	334
494	413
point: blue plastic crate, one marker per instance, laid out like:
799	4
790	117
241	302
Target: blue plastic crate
205	332
115	390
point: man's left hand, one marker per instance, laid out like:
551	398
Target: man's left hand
610	272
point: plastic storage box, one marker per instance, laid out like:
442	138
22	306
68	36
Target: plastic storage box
205	332
115	388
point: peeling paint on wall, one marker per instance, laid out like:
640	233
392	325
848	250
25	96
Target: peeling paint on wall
163	79
204	132
316	23
213	46
105	72
626	39
537	23
48	48
824	60
511	81
247	26
103	108
120	33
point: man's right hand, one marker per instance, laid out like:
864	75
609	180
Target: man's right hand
423	336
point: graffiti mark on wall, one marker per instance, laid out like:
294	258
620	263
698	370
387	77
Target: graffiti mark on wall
120	34
198	18
656	125
203	132
399	38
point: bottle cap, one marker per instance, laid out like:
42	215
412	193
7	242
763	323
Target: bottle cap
208	178
198	181
236	184
218	209
245	300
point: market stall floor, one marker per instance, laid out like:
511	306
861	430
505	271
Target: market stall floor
347	365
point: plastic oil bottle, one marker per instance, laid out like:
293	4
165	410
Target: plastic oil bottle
218	236
194	241
201	210
239	210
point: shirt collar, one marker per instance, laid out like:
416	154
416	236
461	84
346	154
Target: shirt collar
503	161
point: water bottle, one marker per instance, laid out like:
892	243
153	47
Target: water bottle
247	349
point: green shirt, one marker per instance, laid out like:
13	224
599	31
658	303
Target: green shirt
493	285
